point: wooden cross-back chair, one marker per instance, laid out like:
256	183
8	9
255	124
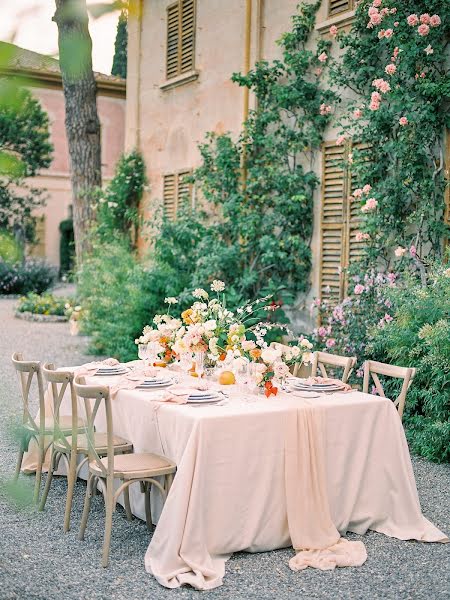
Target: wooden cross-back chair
68	444
373	368
323	359
128	468
27	372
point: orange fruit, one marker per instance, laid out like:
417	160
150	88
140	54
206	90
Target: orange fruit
227	378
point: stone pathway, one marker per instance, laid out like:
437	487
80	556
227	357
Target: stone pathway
38	561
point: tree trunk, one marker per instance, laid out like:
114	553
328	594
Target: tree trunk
82	122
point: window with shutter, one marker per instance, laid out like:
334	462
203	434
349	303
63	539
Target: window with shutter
337	6
177	193
180	38
340	221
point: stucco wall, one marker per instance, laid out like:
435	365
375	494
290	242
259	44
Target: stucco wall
56	179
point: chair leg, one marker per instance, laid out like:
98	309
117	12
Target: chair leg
71	481
148	508
169	481
108	522
87	506
48	483
126	501
19	462
37	486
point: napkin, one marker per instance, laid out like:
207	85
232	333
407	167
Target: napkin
132	380
312	380
92	367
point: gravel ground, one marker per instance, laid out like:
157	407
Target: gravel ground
39	561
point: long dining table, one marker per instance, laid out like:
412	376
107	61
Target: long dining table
237	467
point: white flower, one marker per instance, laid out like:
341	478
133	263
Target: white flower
213	345
281	370
295	351
170	300
306	344
270	355
399	252
157	319
217	285
249	309
307	357
200	293
263	332
112	204
248	345
240	311
210	325
174	324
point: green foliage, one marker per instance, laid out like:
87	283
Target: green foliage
66	247
119	66
402	127
45	304
118	205
24	150
10	250
29	276
260	242
419	336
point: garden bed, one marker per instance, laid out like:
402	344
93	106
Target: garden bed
29	316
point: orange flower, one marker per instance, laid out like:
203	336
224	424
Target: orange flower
255	353
270	389
186	316
163	340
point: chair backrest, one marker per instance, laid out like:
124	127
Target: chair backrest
27	370
323	359
374	368
93	396
59	382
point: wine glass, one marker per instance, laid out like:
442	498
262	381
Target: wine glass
199	358
241	372
154	348
143	353
186	361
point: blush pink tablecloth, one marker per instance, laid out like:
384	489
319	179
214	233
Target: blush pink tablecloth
229	493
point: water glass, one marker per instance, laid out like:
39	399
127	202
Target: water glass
186	361
199	358
143	352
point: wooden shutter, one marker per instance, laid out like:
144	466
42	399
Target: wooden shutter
37	249
332	221
184	191
355	250
180	38
338	6
169	196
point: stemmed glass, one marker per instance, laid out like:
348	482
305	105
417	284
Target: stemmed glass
241	372
186	361
143	353
153	350
199	358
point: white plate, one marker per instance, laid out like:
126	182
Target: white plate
215	397
111	374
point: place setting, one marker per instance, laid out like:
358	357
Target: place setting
314	387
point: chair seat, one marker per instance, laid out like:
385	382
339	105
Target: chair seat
136	466
65	424
101	443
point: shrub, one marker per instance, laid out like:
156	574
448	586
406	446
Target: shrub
10	250
30	276
45	304
419	336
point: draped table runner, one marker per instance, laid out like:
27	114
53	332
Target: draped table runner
270	474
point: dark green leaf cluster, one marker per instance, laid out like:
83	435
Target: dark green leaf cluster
119	66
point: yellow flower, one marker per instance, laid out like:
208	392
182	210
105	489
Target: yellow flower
186	315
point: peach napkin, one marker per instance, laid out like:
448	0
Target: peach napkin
312	380
92	367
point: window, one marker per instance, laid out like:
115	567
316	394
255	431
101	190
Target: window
337	6
178	192
339	223
180	38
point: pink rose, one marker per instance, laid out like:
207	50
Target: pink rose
376	3
381	85
376	19
428	50
358	193
381	34
403	121
396	51
396	23
393	11
412	20
340	140
361	236
366	189
425	18
374	105
322	57
370	205
384	12
422	74
333	30
388	33
423	30
373	10
390	69
330	343
413	251
358	289
325	109
322	331
376	97
357	113
435	20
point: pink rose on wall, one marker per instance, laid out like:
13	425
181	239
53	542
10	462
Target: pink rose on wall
373	10
357	113
376	3
340	140
366	189
361	236
412	20
358	193
388	33
399	252
323	57
435	20
381	34
381	85
393	11
403	121
423	30
390	69
425	18
376	19
325	109
333	30
370	205
330	343
358	289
